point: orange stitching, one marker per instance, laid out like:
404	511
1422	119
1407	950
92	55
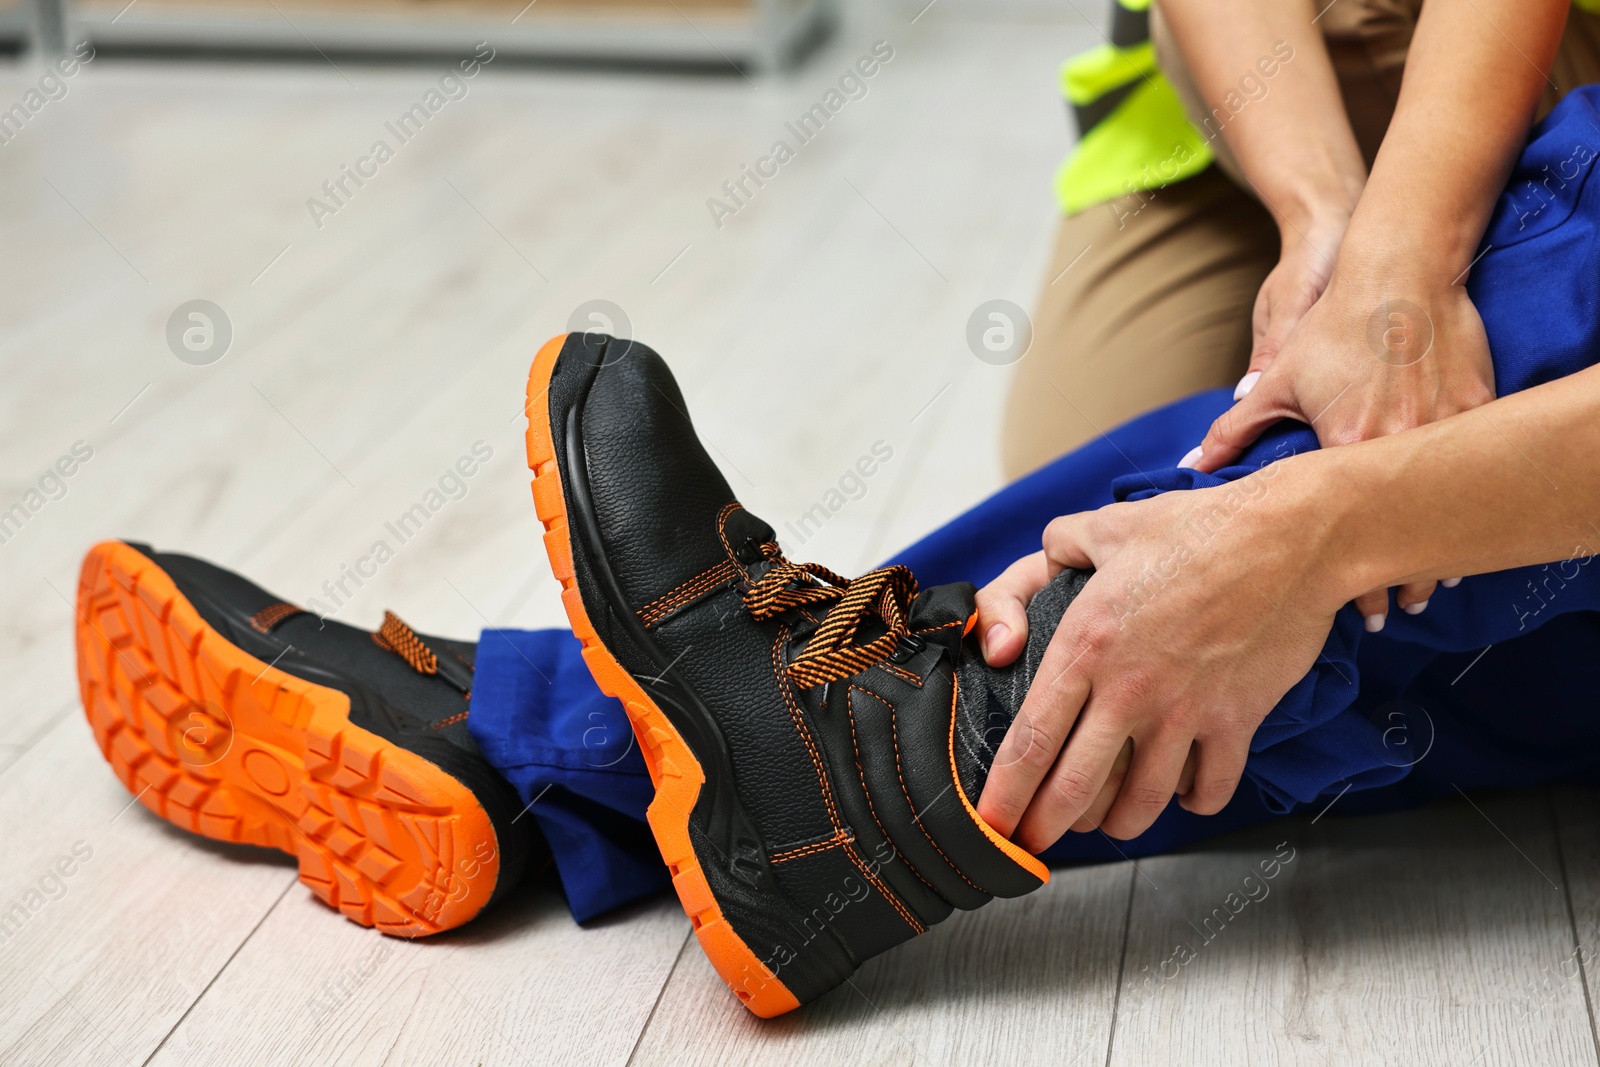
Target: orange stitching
668	603
801	853
840	837
894	733
822	780
722	523
884	891
903	675
856	744
459	716
719	574
805	734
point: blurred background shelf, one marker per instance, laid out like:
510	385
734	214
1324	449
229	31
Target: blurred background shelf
753	34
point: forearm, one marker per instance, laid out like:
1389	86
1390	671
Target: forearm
1291	135
1512	483
1472	81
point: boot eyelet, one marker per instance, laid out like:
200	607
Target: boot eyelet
749	552
909	646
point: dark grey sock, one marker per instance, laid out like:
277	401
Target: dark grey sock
991	697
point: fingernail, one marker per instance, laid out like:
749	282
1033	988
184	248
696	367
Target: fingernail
1191	457
1374	623
1450	583
1417	609
993	636
1247	383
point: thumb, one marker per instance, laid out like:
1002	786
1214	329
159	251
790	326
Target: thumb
1238	427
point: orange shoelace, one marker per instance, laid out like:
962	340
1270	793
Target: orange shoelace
395	636
831	654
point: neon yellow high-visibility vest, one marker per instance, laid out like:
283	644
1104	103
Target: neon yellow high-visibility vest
1133	134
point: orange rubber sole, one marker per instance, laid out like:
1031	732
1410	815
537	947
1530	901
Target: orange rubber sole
674	770
219	743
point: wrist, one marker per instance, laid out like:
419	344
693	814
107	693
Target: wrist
1366	277
1308	210
1412	252
1325	514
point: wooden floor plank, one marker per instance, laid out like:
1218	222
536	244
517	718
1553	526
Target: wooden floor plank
111	920
1577	814
1416	937
524	985
1028	981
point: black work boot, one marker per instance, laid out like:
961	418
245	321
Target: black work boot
238	716
800	728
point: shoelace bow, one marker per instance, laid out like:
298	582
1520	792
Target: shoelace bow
831	654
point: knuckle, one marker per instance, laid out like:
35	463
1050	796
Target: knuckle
1146	798
1074	786
1097	633
1180	722
1005	812
1135	689
1072	657
1035	756
1027	747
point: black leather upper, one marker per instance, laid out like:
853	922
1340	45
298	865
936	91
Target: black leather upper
831	825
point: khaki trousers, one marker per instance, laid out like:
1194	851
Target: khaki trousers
1148	297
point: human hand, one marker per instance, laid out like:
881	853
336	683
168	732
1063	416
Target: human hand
1291	288
1366	362
1204	609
